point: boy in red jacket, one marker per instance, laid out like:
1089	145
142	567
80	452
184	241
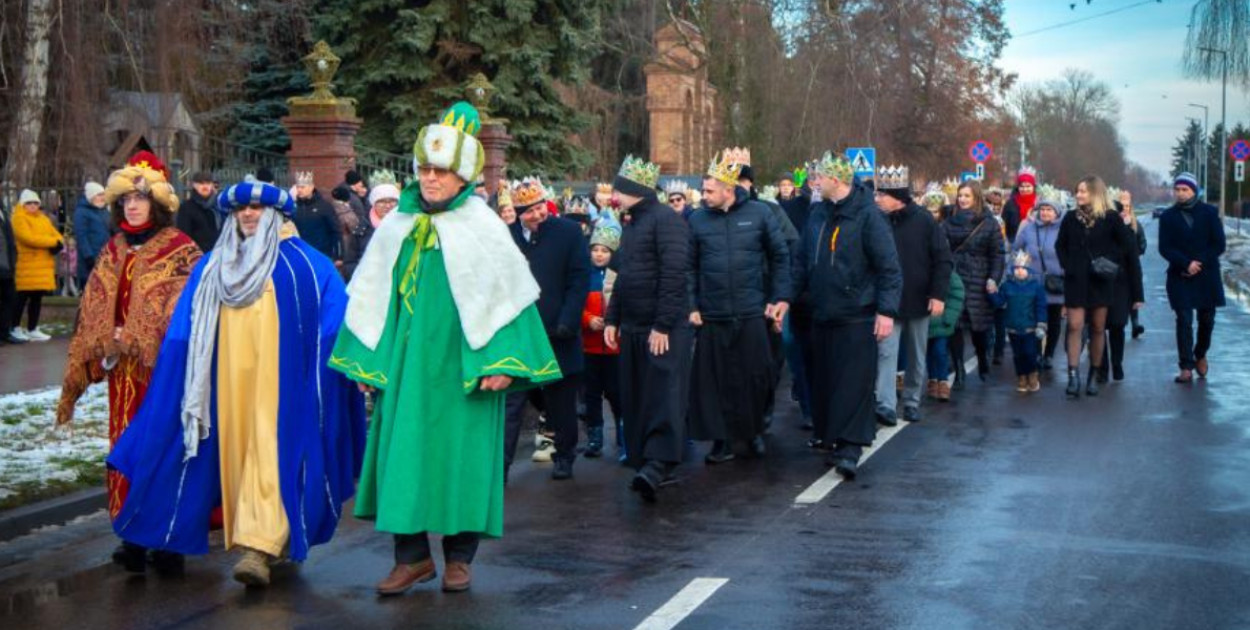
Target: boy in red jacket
602	377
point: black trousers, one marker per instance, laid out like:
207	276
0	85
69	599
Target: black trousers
655	394
32	303
980	344
603	382
1189	350
559	401
1000	332
1054	328
8	306
844	382
732	381
414	548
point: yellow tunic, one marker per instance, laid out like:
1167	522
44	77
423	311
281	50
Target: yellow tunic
247	424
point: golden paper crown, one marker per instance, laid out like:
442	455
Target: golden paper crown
603	188
727	168
528	192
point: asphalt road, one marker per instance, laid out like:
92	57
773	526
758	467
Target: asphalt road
1129	510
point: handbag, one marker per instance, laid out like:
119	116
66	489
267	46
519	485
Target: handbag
1052	282
1104	268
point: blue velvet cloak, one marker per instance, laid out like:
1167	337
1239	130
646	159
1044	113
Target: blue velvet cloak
321	422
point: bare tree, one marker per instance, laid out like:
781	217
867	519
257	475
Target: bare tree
1219	25
32	100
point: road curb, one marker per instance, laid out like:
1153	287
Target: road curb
23	520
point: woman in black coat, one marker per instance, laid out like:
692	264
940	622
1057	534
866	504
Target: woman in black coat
976	242
1093	236
1121	311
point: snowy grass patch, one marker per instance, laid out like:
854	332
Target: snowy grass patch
39	462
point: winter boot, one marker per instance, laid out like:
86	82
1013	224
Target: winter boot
1035	382
594	442
1074	383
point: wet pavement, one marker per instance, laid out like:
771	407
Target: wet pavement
32	365
1129	510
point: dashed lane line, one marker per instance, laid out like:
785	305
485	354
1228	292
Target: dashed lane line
816	492
682	604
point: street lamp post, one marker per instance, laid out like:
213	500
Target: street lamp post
1195	165
1206	133
1223	124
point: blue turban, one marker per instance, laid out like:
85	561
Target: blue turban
244	193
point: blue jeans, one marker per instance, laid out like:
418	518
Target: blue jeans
799	388
938	359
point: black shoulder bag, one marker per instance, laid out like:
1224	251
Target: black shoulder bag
1102	267
1052	282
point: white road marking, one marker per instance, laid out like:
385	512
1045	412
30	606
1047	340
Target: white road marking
682	604
816	492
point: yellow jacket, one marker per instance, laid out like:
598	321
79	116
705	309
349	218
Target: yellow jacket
36	237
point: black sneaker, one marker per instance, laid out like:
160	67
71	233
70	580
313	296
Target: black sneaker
562	469
647	482
168	563
887	417
720	453
134	558
1138	331
911	414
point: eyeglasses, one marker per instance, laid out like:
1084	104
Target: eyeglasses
676	199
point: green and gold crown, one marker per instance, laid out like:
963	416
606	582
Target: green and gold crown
640	172
836	166
383	176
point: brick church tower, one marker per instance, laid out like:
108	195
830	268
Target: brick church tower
685	119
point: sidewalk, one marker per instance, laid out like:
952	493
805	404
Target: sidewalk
32	366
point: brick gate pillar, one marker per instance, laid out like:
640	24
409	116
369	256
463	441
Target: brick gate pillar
322	126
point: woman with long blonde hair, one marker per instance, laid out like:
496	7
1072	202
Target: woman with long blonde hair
1094	248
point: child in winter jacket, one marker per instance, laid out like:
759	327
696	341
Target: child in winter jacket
602	376
1024	297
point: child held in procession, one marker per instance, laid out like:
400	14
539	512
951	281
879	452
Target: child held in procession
602	370
1024	298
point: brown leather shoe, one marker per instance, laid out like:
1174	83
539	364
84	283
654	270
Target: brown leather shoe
457	577
930	389
1035	383
403	576
1202	367
943	391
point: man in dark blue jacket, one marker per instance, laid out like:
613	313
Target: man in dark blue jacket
316	220
848	272
559	258
742	290
1191	238
91	230
649	320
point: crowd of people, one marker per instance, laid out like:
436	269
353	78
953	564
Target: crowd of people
277	315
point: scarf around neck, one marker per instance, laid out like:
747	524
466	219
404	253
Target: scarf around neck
234	276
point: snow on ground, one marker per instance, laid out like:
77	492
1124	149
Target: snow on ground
33	452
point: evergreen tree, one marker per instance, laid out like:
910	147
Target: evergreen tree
1184	157
273	48
405	62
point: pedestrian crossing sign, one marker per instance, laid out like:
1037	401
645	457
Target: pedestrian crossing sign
863	160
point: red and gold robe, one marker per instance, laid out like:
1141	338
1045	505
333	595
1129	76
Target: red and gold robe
125	309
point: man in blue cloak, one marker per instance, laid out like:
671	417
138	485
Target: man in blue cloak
242	412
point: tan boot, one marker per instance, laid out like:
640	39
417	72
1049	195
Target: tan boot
1022	384
403	576
457	577
898	382
253	568
1035	382
931	388
943	391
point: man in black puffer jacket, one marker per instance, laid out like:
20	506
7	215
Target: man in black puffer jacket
648	319
316	219
741	289
848	267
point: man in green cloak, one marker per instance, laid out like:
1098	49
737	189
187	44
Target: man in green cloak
441	323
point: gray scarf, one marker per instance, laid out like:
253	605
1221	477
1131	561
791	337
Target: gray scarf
234	276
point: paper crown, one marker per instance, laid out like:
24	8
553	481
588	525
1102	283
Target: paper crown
893	178
304	178
603	188
676	187
381	177
503	194
608	236
528	192
769	193
144	173
950	187
1027	171
1021	259
641	172
452	143
933	196
728	166
835	166
800	176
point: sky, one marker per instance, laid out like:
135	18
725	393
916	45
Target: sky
1136	51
